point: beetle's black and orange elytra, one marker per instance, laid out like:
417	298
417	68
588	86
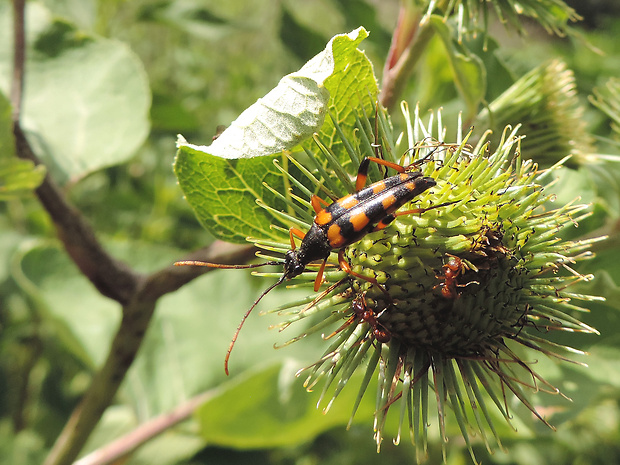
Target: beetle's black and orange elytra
350	218
342	223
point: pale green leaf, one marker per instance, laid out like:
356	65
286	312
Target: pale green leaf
223	192
291	112
270	408
467	68
17	177
84	326
86	98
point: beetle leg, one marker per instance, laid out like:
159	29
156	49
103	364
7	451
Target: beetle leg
362	172
346	267
319	276
295	232
420	210
318	203
389	164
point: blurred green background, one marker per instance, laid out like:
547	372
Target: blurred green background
185	67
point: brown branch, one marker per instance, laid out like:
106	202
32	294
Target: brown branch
116	450
113	278
104	386
19	58
136	318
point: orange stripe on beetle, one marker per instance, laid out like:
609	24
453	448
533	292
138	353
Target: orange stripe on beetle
388	202
323	217
348	201
359	221
411	186
379	187
384	223
335	237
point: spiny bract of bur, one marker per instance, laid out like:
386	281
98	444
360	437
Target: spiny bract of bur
467	293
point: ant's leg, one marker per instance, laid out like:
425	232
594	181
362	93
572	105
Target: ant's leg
295	232
318	203
342	327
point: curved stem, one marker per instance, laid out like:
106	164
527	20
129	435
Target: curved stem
19	58
411	36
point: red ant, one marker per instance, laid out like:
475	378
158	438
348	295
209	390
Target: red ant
363	314
452	270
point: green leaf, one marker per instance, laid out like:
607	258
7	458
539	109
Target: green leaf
17	177
7	141
291	112
468	69
84	326
86	98
223	192
353	88
272	409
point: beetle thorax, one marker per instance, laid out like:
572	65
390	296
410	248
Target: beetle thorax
313	247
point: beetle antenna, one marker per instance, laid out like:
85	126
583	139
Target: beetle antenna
221	265
245	317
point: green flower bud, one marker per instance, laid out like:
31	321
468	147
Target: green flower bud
545	100
456	292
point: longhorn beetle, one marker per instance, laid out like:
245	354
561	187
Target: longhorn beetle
342	223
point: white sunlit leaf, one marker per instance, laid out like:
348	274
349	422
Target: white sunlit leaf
288	114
